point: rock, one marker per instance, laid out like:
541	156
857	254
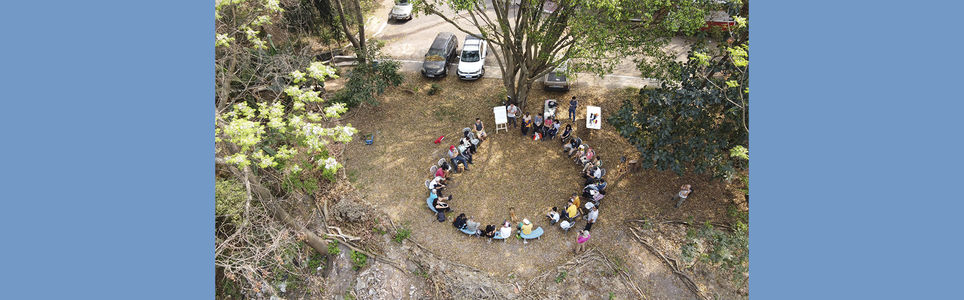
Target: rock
348	209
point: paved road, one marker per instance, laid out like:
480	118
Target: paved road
408	41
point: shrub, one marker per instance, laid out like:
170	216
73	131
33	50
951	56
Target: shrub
435	89
229	199
358	259
402	234
367	80
333	248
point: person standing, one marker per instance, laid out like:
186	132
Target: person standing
510	113
581	240
573	104
591	217
684	191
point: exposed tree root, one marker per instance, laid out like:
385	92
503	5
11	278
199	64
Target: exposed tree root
672	263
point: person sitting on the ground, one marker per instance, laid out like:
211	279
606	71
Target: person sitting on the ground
457	158
575	148
459	221
440	204
553	215
472	225
526	124
566	134
489	231
506	230
537	136
596	184
480	129
526	227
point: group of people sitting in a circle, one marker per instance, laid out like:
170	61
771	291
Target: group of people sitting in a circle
542	128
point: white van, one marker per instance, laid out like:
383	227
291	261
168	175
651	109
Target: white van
472	60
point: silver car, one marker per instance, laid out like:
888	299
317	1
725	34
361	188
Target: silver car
401	11
557	78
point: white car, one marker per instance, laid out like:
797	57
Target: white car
401	11
472	60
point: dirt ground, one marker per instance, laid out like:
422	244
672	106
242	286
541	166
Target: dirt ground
513	172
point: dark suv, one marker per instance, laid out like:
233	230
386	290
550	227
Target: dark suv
443	51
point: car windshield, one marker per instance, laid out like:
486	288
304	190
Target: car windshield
433	57
470	56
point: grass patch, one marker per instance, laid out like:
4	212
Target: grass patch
441	113
402	234
358	259
561	277
333	248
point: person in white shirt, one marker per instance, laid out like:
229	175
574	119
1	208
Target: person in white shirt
592	216
684	191
553	215
506	230
510	113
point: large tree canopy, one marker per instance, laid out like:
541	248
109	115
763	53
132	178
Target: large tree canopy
532	37
698	118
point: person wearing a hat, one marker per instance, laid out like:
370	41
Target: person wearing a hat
526	227
457	157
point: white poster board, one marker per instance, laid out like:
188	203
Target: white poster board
500	115
593	117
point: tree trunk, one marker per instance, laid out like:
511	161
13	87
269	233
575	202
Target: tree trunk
363	49
357	43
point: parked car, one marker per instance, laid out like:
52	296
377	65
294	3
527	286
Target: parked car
401	11
442	52
472	60
557	78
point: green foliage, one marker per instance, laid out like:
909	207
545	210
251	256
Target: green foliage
333	248
434	89
358	259
315	261
697	118
612	295
725	249
367	80
229	199
561	276
297	181
402	234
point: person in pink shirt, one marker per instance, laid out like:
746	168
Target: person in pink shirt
581	240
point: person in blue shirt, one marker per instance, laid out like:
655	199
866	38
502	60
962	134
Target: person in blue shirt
573	104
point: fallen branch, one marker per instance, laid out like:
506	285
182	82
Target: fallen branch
671	263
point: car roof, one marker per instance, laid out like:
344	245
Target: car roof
441	39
